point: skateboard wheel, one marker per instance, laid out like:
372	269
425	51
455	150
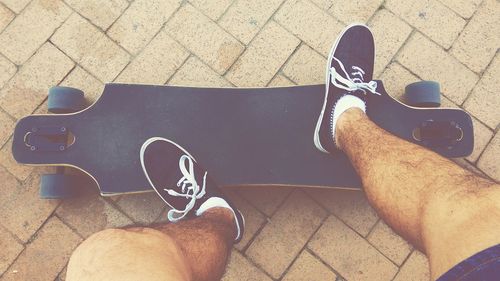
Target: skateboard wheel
65	100
423	94
59	186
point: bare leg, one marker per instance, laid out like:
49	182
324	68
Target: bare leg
195	249
442	209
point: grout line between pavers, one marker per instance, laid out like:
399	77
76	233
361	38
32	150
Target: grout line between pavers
67	224
189	55
254	264
89	20
285	198
141	50
31	238
372	229
264	25
43	43
304	247
382	253
116	206
129	4
225	11
267	219
15	15
256	234
312	253
287	60
396	55
416	28
101	34
403	263
215	22
480	77
16	257
453	10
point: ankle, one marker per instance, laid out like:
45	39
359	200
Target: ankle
224	216
344	123
220	213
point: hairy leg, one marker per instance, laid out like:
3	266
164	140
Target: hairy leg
442	209
195	249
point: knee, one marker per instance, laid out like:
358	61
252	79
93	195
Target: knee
112	251
463	212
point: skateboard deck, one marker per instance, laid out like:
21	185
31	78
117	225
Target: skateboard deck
242	136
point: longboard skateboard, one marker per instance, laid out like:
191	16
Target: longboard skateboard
243	136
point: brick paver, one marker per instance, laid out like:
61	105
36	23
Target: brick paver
351	255
196	73
281	81
286	233
22	210
266	200
464	8
483	101
311	24
101	13
395	78
244	19
308	267
81	79
254	220
456	79
349	11
6	16
488	162
46	256
305	67
350	206
479	41
11	248
15	5
204	38
212	8
143	208
28	88
21	172
140	22
161	53
6	126
387	40
430	17
90	213
7	70
30	29
389	243
239	268
292	233
263	57
416	268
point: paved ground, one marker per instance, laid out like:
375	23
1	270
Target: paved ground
292	234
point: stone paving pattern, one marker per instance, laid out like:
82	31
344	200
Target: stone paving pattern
292	234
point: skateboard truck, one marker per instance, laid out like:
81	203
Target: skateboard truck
48	139
438	133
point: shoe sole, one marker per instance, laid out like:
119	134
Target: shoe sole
317	142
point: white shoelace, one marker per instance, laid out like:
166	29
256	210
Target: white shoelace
189	187
348	83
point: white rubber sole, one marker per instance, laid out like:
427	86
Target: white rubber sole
317	142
